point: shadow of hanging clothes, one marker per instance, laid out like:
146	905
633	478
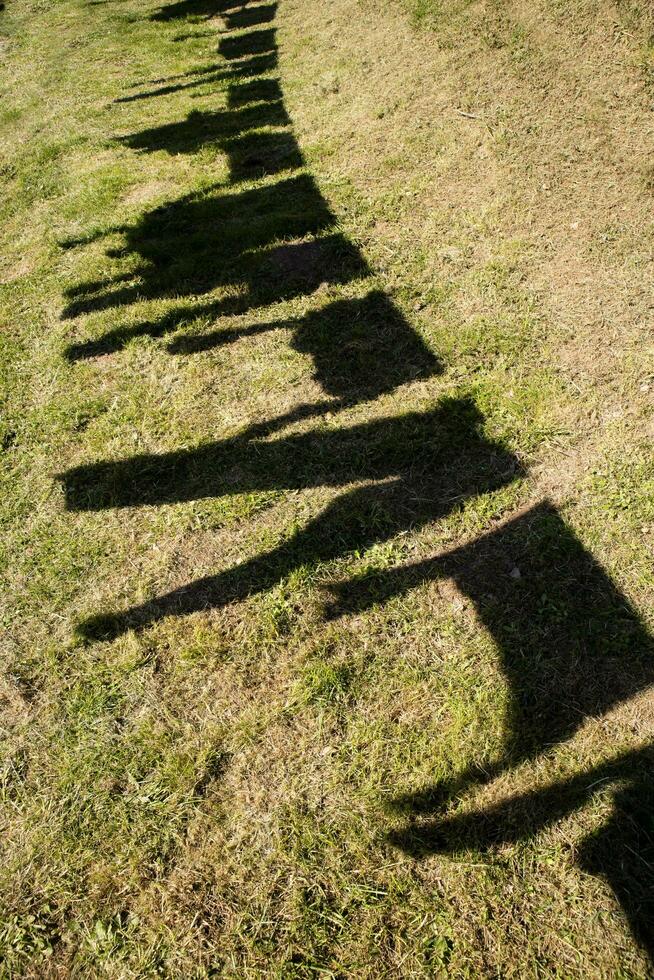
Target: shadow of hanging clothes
360	348
277	274
621	851
430	462
202	128
258	90
248	45
250	154
206	240
262	13
570	645
200	9
260	65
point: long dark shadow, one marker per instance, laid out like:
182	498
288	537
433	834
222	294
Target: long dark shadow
430	462
185	9
361	348
438	448
205	240
268	277
571	647
200	128
247	45
251	153
261	246
621	851
208	76
236	19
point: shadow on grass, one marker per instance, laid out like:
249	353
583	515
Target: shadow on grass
430	462
235	15
200	128
621	851
187	9
257	90
258	246
571	646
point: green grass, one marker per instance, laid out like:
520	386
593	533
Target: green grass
327	490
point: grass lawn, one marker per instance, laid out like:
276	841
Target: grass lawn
328	496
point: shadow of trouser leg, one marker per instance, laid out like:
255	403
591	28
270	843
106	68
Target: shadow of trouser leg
212	591
352	521
622	853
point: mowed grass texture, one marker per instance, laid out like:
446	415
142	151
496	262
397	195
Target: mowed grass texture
328	502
